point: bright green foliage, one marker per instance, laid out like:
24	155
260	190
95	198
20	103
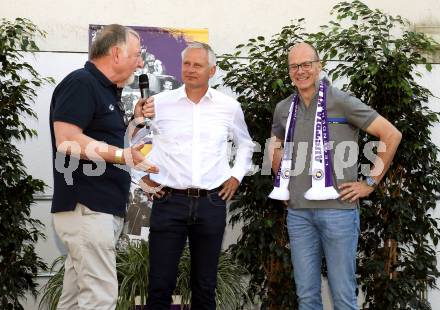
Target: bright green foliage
380	57
18	232
261	80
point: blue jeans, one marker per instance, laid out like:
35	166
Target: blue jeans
334	234
174	218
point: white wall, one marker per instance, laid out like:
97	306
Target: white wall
432	82
228	22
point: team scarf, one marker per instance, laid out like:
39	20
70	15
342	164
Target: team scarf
322	180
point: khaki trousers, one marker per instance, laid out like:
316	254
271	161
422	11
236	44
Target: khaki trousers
90	280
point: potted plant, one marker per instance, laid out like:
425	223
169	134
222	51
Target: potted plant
132	268
381	57
19	263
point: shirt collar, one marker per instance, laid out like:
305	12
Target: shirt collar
89	66
315	95
182	94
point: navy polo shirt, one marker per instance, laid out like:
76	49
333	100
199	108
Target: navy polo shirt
88	99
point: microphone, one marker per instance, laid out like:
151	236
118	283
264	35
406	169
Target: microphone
144	86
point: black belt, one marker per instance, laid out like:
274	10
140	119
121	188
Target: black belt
192	192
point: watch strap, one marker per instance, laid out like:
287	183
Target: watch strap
370	181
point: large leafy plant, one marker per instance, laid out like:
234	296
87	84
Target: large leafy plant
132	268
257	72
397	259
19	263
380	57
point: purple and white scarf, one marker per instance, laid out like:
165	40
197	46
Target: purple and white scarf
321	168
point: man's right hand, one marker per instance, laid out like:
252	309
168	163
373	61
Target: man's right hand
148	108
151	187
144	108
135	159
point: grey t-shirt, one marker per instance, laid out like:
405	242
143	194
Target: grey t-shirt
346	114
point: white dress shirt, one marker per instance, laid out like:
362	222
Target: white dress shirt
193	146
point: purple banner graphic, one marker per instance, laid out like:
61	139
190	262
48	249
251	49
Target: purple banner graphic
161	50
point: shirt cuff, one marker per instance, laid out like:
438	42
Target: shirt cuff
137	175
239	173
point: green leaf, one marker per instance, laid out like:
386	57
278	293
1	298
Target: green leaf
19	263
428	67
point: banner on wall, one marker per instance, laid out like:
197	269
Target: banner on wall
161	50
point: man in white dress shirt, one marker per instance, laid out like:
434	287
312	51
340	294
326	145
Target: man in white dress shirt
193	125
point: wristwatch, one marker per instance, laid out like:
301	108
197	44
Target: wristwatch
370	181
140	125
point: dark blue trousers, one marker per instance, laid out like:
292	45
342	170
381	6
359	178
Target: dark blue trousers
174	219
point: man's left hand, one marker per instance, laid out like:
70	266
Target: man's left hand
229	188
354	190
135	159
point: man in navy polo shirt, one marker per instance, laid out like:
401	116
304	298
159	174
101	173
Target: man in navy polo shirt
90	191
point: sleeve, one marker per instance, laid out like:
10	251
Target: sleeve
245	146
74	104
141	136
358	113
280	116
137	175
278	128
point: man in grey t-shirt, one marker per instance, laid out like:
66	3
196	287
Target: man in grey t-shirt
327	227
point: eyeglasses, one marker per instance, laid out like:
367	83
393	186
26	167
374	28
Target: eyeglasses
306	66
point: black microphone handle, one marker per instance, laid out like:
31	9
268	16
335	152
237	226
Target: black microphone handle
144	93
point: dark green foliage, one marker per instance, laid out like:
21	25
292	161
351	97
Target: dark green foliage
52	290
261	81
379	55
231	281
18	232
132	265
397	260
132	268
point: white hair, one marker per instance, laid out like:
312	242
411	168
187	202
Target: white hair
212	60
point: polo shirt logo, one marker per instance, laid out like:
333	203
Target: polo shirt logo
111	107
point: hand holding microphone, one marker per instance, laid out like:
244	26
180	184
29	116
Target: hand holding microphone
144	87
145	106
143	113
148	108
